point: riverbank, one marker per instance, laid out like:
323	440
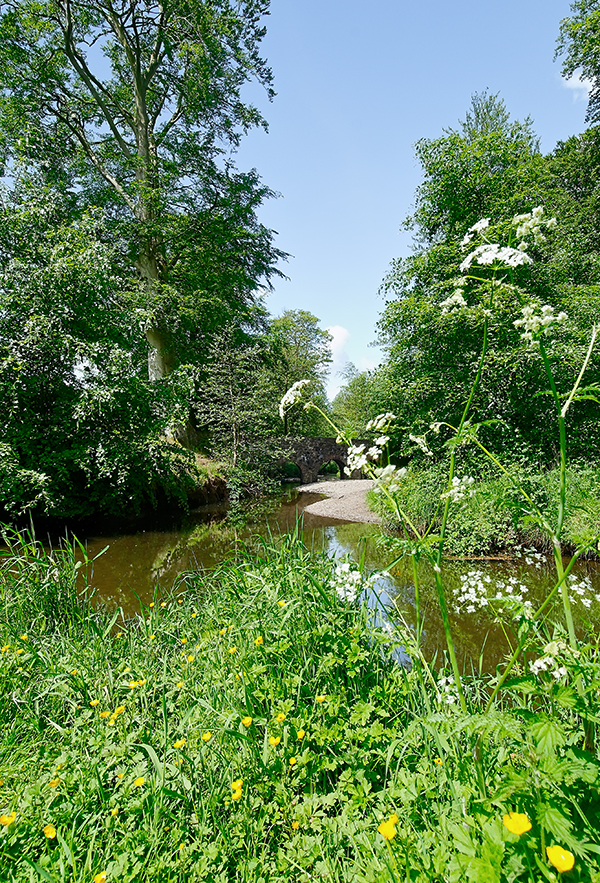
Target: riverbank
345	500
253	725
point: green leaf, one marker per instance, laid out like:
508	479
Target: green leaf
548	735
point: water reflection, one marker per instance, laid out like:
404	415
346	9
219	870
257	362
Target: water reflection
140	565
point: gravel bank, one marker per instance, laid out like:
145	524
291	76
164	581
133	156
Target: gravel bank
345	500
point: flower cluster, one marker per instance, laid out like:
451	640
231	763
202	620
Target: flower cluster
490	252
580	590
460	488
291	396
478	589
535	322
350	583
530	224
381	422
554	654
532	556
448	690
347	582
475	230
387	479
359	455
421	443
454	300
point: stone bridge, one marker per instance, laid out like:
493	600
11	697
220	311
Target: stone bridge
311	454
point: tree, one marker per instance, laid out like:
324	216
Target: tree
84	431
432	354
133	105
300	351
579	43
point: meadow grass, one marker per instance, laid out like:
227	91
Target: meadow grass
251	725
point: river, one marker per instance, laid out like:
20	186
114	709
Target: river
141	565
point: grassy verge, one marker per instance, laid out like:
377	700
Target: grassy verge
253	726
491	519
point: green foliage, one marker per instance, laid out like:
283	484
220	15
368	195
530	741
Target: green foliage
84	430
579	43
493	518
127	737
300	351
432	354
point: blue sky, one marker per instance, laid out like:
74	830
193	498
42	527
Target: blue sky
358	84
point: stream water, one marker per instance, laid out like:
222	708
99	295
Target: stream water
141	565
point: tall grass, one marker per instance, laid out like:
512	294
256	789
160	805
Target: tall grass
252	726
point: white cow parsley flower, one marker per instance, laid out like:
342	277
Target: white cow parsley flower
291	396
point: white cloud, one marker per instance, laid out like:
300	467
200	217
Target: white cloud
340	358
579	86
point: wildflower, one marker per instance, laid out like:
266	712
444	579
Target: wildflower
120	775
23	637
247	720
179	743
194	615
104	713
293	761
163	604
562	859
190	658
295	824
282	603
180	600
139	781
206	737
6	648
184	640
119	709
421	443
181	846
233	649
258	641
141	682
274	740
280	717
114	811
74	672
321	699
119	635
237	795
95	702
535	324
516	822
133	685
126	670
7	820
437	761
19	651
151	604
300	734
179	685
111	722
490	252
388	829
100	878
291	396
237	784
54	783
49	831
152	637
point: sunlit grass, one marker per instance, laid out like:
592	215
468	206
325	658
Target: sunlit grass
252	726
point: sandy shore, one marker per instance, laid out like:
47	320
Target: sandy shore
345	500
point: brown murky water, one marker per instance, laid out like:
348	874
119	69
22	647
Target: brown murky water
141	565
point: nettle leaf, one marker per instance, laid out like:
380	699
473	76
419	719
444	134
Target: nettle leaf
548	735
556	823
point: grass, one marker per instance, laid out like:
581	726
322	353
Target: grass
252	726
